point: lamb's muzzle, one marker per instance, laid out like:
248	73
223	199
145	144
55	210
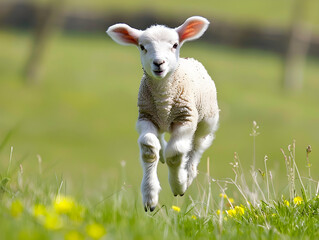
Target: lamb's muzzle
176	95
158	62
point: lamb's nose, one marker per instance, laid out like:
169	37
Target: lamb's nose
158	62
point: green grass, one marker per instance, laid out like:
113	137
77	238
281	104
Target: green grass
80	119
35	208
75	115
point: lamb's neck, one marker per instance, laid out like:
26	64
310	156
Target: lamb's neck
161	86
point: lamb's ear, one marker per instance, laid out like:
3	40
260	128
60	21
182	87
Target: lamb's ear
192	28
124	34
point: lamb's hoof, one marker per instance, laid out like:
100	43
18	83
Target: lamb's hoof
175	195
182	194
151	208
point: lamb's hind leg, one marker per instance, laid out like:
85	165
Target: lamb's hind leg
176	155
149	155
203	139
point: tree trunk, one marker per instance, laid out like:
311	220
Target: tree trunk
45	26
298	45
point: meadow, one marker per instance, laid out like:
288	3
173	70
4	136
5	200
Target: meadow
80	121
245	12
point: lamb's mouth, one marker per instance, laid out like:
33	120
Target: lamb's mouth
158	72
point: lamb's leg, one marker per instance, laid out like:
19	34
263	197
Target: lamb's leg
176	154
203	139
149	155
163	146
200	146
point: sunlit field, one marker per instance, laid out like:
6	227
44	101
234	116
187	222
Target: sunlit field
35	208
79	123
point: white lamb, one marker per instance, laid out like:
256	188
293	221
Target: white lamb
176	95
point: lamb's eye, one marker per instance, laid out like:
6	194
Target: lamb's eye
175	45
142	47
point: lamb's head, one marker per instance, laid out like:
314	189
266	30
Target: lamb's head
159	45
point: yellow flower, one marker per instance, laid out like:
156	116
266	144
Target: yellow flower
16	208
176	209
63	204
218	212
239	210
231	200
39	210
298	200
73	235
231	212
286	202
223	195
194	217
52	221
95	230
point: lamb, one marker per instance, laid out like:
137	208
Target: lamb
177	96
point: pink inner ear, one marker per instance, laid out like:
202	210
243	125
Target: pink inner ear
124	34
190	30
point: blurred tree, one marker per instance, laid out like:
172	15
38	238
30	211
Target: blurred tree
298	44
46	23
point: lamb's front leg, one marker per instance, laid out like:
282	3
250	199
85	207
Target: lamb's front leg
149	155
176	156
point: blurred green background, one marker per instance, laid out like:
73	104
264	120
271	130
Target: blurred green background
79	114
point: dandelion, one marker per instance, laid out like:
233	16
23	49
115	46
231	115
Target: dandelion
176	209
218	212
16	208
95	230
73	235
194	217
231	212
239	210
63	204
286	202
298	200
39	210
52	221
222	195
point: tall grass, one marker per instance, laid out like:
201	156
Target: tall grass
242	206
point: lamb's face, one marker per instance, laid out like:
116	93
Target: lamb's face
159	48
159	45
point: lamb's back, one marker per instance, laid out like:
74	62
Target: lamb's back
200	86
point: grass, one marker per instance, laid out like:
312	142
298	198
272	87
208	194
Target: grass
74	121
75	115
38	209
